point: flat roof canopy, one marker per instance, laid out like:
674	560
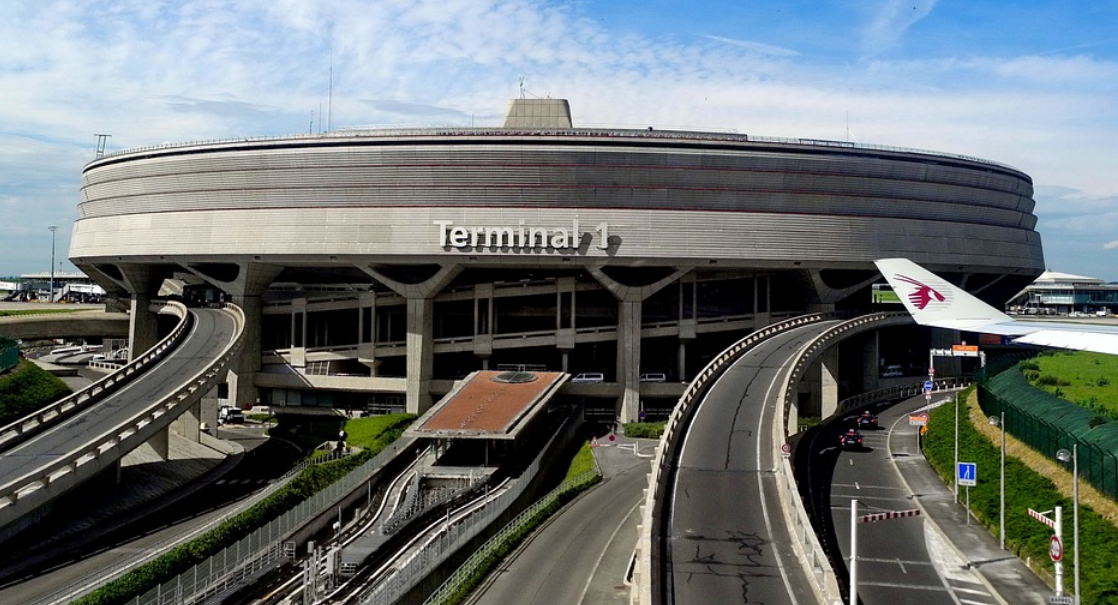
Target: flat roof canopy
489	405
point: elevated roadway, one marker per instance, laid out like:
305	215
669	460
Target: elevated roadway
78	321
727	541
53	452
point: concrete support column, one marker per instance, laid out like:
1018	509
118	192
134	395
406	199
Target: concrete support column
828	381
188	425
159	444
242	390
682	360
421	354
143	326
629	358
872	365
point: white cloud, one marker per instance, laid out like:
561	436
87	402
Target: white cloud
892	18
148	72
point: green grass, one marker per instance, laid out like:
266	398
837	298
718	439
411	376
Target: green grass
1025	488
15	312
1086	379
582	462
365	432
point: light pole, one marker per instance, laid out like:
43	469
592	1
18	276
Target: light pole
52	228
999	421
1064	455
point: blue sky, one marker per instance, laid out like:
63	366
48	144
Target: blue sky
1032	84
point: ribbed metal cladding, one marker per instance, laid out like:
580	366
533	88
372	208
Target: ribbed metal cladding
664	198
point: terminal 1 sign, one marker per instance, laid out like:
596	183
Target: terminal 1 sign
520	237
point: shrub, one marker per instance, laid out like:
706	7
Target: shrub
645	430
28	389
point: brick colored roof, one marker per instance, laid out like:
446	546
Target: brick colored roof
483	404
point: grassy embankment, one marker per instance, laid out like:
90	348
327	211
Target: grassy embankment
1032	481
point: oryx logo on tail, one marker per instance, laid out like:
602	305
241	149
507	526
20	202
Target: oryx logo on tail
923	295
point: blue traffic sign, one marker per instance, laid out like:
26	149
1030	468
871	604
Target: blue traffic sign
928	386
967	473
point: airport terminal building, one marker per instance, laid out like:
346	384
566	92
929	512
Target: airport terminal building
377	267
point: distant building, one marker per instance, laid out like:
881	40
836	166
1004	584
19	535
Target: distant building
1056	293
68	287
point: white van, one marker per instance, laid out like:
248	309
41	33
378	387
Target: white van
589	377
654	377
892	372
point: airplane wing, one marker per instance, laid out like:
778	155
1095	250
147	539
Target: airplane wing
935	302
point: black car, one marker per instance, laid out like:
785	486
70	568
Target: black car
851	440
867	420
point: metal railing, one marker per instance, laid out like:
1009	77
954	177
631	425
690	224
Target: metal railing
99	578
613	133
481	558
456	535
30	489
646	576
39	420
256	551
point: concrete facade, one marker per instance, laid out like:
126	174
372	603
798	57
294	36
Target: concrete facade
367	260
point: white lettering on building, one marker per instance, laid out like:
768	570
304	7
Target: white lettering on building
519	237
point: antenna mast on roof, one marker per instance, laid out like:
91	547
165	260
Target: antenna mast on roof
330	93
521	87
101	140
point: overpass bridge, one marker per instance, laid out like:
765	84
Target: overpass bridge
86	323
46	454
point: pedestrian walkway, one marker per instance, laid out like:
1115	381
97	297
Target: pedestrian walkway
964	545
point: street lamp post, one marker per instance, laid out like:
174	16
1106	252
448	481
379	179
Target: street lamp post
1063	455
999	421
52	228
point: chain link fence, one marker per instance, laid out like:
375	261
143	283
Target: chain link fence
9	354
262	550
1048	424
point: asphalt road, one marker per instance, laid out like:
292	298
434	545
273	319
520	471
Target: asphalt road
581	556
728	542
902	560
212	332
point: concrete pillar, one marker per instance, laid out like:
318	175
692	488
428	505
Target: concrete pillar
143	326
159	445
188	425
871	362
242	390
828	381
629	358
421	354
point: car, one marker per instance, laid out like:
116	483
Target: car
867	420
654	377
851	440
230	415
892	372
589	377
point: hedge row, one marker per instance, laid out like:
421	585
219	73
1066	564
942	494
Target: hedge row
493	557
180	559
26	390
1024	489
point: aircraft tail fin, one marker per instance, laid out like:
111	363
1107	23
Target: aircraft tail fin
933	301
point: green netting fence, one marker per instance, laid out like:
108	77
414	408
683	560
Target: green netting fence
1047	424
9	354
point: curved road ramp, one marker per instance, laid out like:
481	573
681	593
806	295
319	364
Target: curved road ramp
46	454
723	521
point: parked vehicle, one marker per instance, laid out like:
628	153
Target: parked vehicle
589	377
892	372
230	415
654	377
